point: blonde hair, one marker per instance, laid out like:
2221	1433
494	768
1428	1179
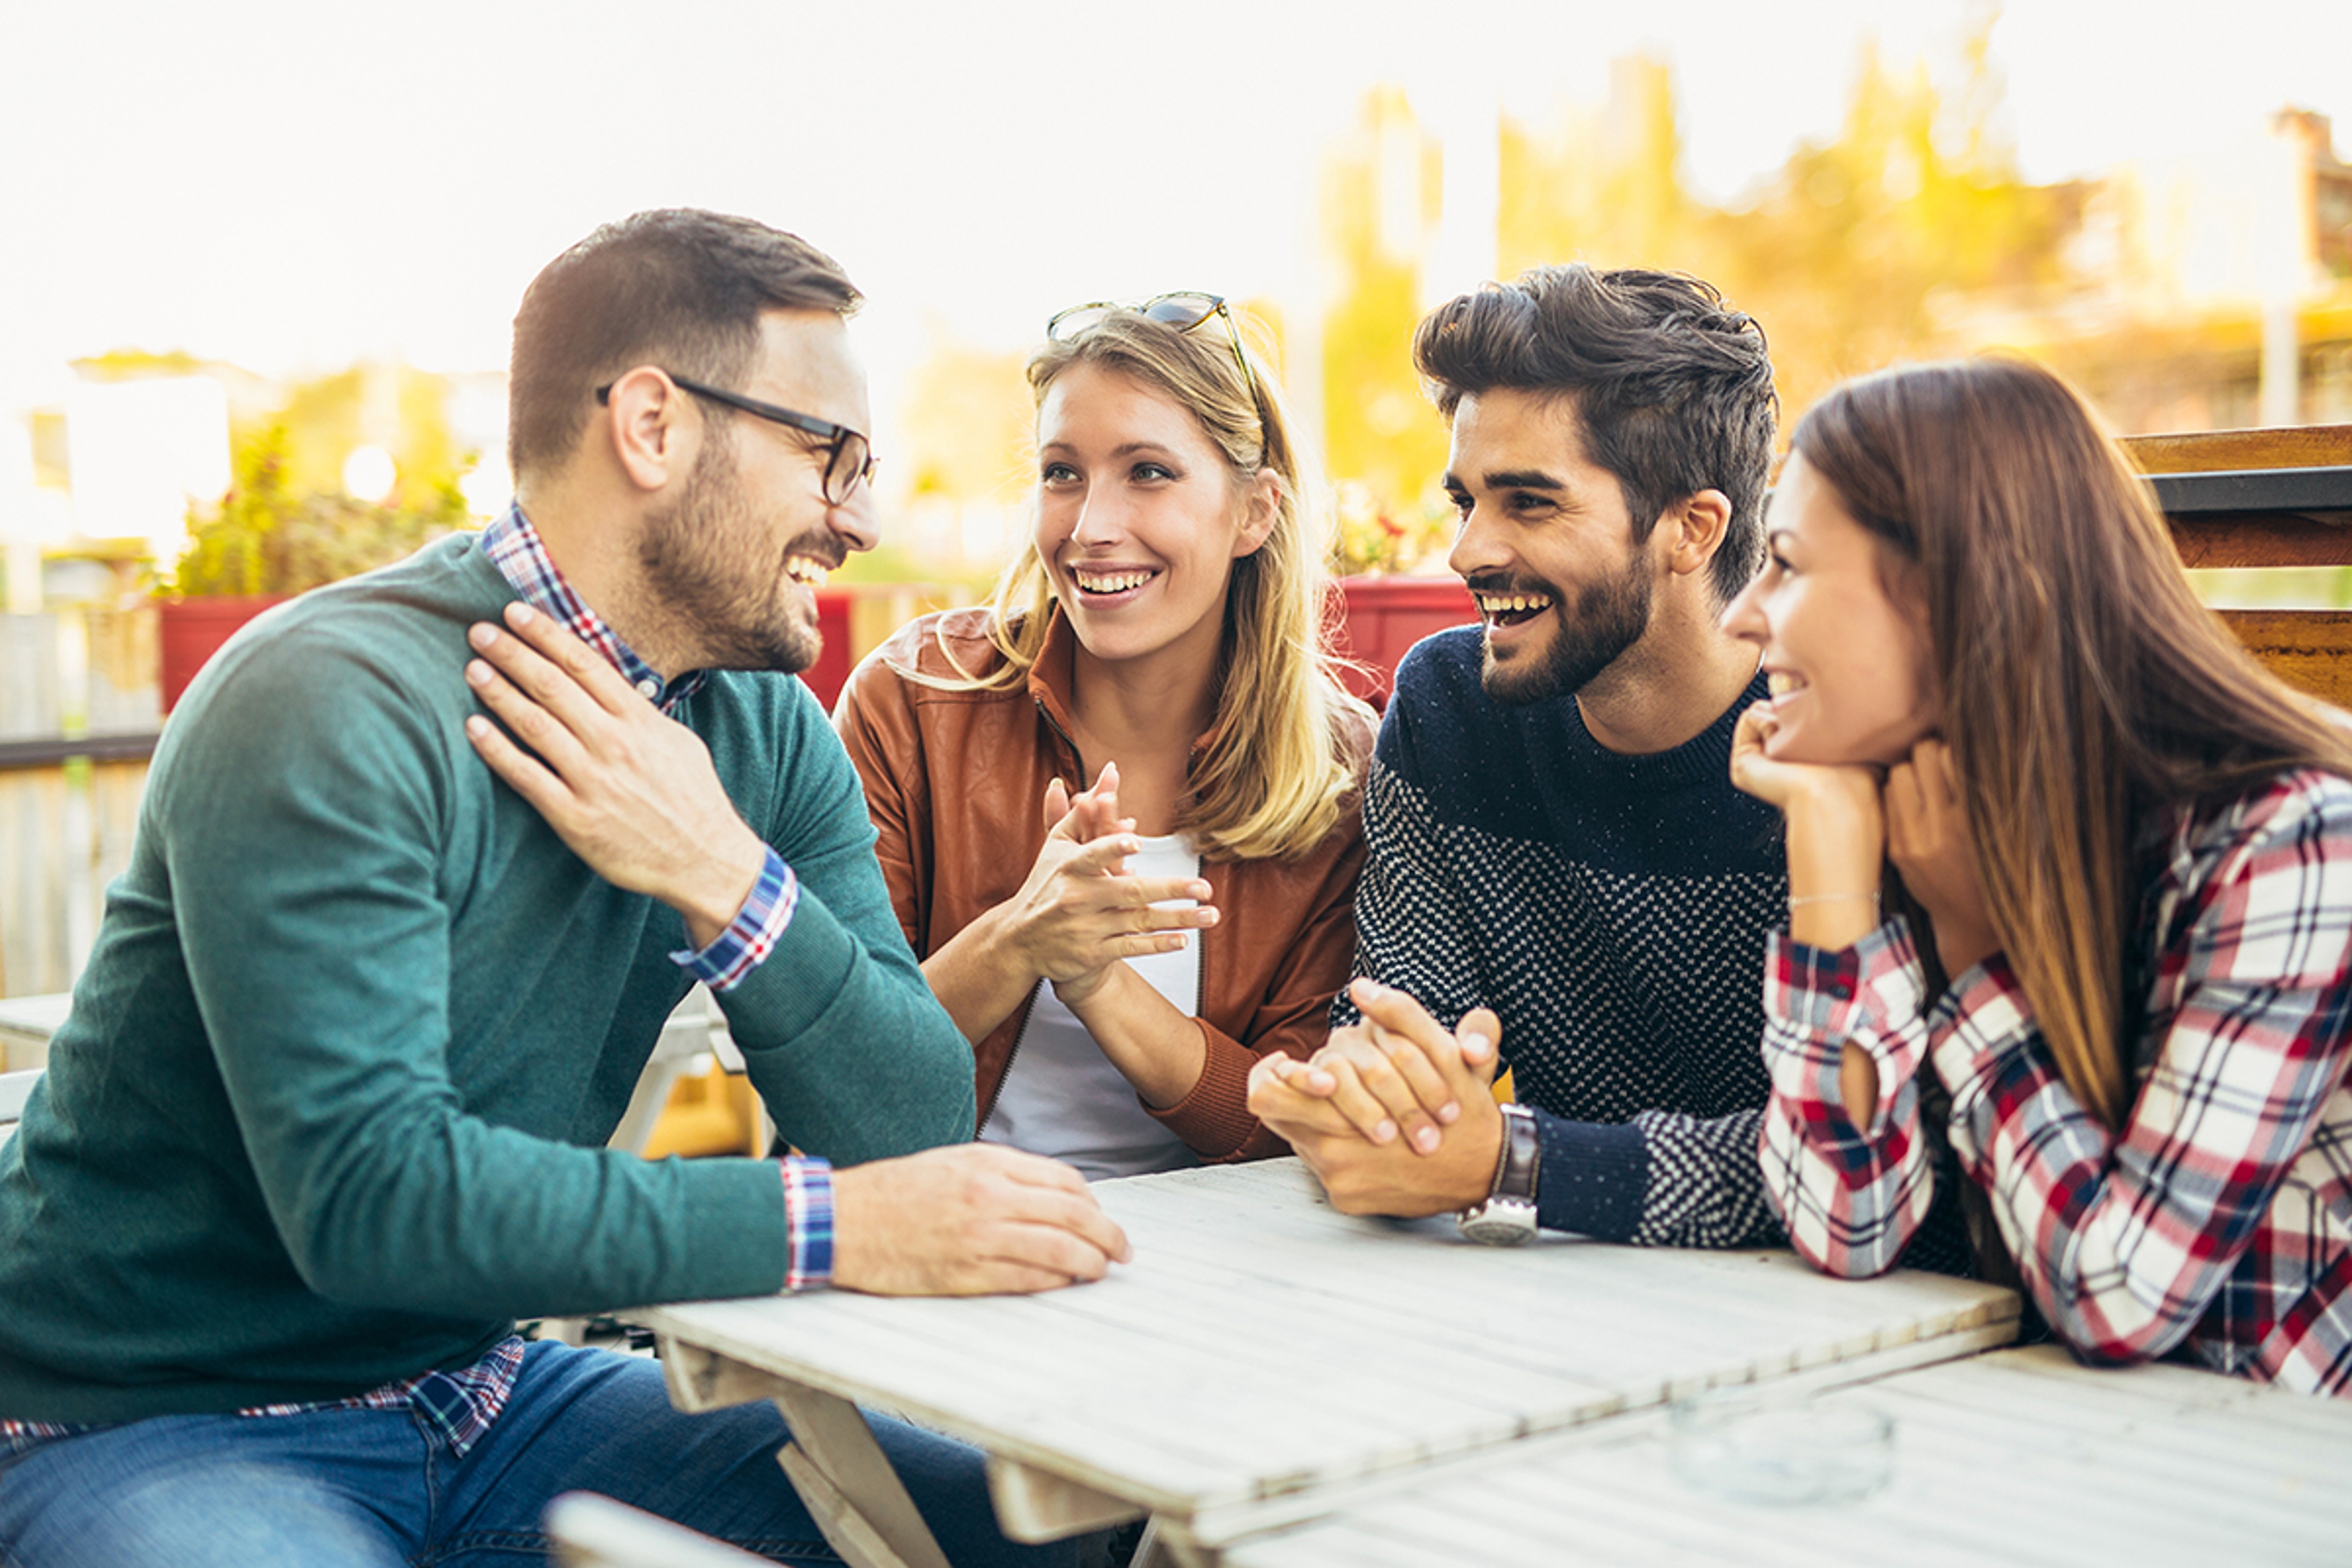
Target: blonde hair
1270	783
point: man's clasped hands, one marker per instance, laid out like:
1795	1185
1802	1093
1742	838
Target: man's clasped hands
1397	1114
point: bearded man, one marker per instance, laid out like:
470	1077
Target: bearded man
1559	863
424	860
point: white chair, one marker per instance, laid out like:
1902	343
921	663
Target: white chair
25	1025
693	1038
594	1532
15	1088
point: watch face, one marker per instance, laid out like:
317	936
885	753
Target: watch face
1499	1222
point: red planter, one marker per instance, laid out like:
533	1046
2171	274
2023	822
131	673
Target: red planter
830	671
1380	617
192	631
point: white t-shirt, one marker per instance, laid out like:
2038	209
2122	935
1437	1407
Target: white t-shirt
1061	1097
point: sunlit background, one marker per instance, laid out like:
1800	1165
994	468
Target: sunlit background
261	257
326	212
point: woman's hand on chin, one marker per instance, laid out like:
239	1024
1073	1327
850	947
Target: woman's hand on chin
1928	840
1794	786
1836	833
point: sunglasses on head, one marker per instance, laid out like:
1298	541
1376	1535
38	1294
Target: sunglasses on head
1182	310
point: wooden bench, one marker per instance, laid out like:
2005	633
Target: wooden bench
2265	498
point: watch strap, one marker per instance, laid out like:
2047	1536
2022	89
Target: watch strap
1522	1153
1507	1214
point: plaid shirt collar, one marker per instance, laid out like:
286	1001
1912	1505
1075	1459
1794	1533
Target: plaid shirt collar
515	548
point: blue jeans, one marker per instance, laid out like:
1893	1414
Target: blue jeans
374	1487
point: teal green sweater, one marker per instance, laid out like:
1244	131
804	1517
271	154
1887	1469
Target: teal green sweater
330	1106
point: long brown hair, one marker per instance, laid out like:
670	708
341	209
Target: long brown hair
2084	689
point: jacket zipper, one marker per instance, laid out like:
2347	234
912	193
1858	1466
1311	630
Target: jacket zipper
1029	1008
1059	733
1201	947
1028	1011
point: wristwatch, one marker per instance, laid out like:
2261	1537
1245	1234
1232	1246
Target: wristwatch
1508	1216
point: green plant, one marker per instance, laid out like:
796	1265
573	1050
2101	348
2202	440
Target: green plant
260	538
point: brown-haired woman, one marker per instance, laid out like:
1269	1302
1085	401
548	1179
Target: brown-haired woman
2114	999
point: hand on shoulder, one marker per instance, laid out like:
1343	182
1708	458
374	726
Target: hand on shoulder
632	794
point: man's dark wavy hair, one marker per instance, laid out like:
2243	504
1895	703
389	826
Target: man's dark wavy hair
677	288
1672	385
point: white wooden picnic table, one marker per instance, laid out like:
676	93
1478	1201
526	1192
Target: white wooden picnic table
1262	1350
2020	1458
25	1025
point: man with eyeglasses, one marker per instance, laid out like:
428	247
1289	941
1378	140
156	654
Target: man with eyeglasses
425	861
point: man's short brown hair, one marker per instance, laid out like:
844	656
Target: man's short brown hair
677	288
1672	385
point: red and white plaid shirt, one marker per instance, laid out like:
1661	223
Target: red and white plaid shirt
2221	1216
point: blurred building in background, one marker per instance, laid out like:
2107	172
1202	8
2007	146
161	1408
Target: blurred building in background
2211	294
2216	295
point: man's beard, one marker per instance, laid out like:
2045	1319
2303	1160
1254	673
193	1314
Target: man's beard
1609	617
704	566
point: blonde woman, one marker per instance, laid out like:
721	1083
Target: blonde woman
1117	807
2110	990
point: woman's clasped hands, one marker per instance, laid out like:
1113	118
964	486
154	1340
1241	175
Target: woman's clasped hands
1844	820
1081	911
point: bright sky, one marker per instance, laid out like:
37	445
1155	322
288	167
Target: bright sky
291	184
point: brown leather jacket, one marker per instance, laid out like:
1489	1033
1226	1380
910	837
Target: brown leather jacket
954	782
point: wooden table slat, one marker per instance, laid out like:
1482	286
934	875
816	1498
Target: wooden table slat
954	1384
1199	1307
1263	1350
1614	1274
2018	1456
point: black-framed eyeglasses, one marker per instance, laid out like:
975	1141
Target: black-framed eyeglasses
848	457
1184	310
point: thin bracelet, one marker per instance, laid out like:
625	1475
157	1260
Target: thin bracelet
1796	903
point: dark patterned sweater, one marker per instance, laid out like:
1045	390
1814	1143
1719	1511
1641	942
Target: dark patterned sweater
1611	911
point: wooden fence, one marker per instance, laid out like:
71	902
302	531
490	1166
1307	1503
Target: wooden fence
79	718
78	721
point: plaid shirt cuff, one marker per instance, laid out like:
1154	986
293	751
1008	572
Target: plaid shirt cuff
748	940
808	1222
1816	1001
